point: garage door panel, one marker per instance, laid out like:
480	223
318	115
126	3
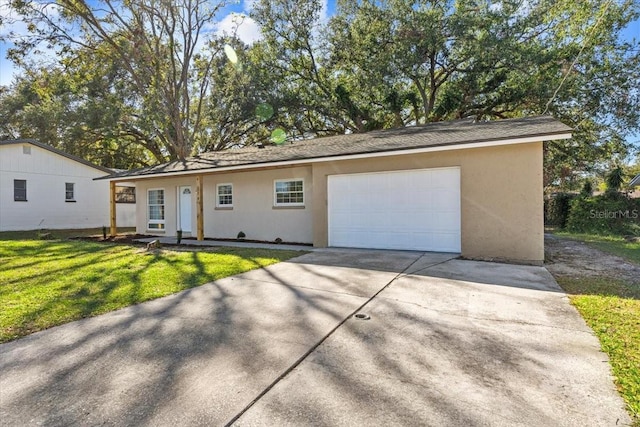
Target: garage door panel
397	199
448	242
346	239
443	178
443	198
418	210
378	220
418	221
423	238
424	194
446	221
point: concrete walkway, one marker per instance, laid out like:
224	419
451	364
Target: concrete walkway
446	342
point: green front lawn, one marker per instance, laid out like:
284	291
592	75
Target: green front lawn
615	245
612	309
47	234
47	283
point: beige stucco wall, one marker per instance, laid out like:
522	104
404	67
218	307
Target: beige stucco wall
501	200
501	196
253	206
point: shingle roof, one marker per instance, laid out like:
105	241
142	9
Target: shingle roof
440	134
56	151
635	182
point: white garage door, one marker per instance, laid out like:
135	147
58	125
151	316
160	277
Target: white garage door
415	210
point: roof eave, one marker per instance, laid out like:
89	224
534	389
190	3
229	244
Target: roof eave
391	152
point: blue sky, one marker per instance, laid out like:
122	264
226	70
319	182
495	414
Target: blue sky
248	30
632	30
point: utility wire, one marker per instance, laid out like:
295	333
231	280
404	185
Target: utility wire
584	45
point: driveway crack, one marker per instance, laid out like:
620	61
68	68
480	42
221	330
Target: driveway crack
322	340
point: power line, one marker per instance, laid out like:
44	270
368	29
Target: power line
584	45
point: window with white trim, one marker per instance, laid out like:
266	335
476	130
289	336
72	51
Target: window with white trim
289	192
155	209
69	192
224	197
20	190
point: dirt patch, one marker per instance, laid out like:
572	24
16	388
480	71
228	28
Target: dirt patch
566	257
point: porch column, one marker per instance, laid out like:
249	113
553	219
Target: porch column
112	208
199	209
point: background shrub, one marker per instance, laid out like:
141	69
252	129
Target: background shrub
611	213
556	209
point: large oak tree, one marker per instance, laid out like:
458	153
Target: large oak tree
154	46
379	64
143	81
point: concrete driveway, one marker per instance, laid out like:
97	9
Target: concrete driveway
446	342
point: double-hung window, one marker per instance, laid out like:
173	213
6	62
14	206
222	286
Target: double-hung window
69	192
20	190
289	192
224	196
155	209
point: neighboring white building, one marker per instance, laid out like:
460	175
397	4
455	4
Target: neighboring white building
44	188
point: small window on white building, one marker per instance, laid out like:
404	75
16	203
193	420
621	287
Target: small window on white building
69	192
155	204
289	192
20	190
225	196
26	149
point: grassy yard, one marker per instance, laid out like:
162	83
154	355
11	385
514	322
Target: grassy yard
58	234
44	283
615	245
611	307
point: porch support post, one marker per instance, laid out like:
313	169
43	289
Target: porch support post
112	208
199	209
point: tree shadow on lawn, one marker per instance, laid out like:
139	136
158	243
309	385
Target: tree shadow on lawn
100	257
103	282
46	249
88	295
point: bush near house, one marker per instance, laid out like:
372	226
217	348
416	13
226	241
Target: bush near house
556	209
610	213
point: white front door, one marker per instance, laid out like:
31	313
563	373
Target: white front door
184	222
